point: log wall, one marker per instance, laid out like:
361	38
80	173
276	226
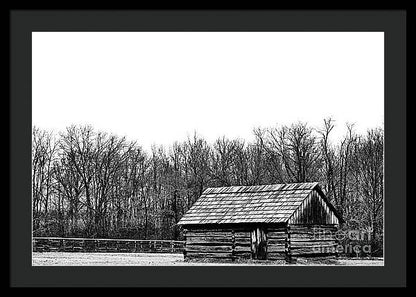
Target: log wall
211	243
277	243
242	244
224	244
57	244
233	243
311	240
282	242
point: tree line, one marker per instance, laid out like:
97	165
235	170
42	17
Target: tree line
88	183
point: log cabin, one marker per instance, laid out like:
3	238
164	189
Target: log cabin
268	222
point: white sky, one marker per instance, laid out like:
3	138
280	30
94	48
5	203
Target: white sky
158	87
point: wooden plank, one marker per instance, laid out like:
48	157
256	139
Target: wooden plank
242	234
310	238
253	242
302	251
210	243
243	245
276	241
312	230
282	229
276	234
276	248
203	231
306	244
243	241
242	249
277	237
208	255
306	239
314	257
209	234
276	256
309	254
209	239
243	255
311	235
205	248
312	243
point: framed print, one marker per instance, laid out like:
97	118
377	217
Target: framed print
208	148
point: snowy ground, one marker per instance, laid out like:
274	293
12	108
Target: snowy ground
146	259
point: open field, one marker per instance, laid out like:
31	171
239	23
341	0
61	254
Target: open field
158	259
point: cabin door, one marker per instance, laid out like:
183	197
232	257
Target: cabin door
258	244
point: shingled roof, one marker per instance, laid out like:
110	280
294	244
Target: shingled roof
248	204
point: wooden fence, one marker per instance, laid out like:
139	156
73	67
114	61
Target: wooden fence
93	245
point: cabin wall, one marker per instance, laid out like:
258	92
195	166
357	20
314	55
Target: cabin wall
282	242
277	243
242	244
208	243
311	240
236	242
231	243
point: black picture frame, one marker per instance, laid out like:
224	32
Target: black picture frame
24	22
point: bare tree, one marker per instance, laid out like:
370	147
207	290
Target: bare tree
273	160
337	166
70	187
78	148
329	159
43	156
197	152
222	161
369	175
344	168
296	150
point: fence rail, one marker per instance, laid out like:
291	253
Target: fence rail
59	244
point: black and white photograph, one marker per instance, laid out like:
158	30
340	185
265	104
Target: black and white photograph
208	149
